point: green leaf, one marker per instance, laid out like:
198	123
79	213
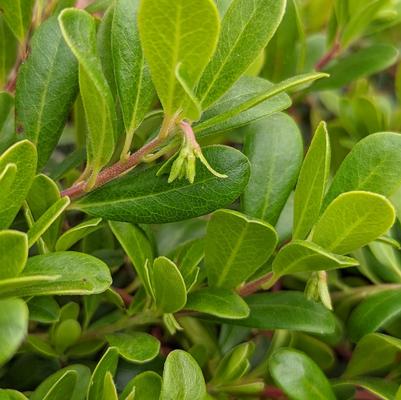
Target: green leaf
63	273
109	389
9	394
365	168
169	287
13	327
46	89
23	155
108	363
364	62
137	246
311	184
246	29
43	194
274	148
221	303
78	232
13	253
83	375
382	388
43	309
298	376
236	247
46	220
63	387
373	313
227	113
353	220
373	352
302	256
182	378
142	197
79	31
177	33
147	386
6	105
287	310
18	15
136	347
8	52
135	87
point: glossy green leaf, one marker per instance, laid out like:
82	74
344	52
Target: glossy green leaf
366	168
372	353
373	313
169	287
23	155
179	34
46	89
311	184
246	29
141	197
182	378
136	347
302	256
287	310
108	363
8	51
63	387
274	148
78	232
6	105
136	245
83	375
364	62
13	253
79	31
383	389
353	220
13	327
43	309
236	247
9	394
59	273
135	87
221	303
298	376
147	386
18	14
43	194
46	220
109	389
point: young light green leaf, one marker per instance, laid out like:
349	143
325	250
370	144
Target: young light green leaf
134	84
298	376
373	313
23	155
182	378
13	253
18	15
302	256
221	303
59	273
9	394
13	327
147	386
173	33
364	62
63	387
109	388
274	148
78	232
43	194
136	245
372	353
108	363
365	168
136	347
46	89
46	220
380	388
142	197
287	310
246	29
79	31
353	220
311	184
236	247
168	285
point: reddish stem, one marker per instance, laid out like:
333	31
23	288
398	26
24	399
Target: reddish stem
127	298
273	392
254	286
329	56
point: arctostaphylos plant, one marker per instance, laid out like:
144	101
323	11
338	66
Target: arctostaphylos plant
200	199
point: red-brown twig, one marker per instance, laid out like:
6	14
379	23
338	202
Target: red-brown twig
329	56
253	286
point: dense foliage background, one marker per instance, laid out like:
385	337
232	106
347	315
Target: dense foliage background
200	199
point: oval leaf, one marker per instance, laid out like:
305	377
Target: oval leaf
13	253
147	386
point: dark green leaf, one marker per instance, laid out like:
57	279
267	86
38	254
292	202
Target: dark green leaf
381	388
63	387
147	386
18	14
